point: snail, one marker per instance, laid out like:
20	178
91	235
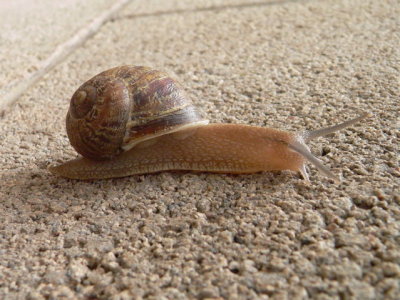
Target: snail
136	120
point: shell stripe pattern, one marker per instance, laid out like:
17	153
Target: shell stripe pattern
159	105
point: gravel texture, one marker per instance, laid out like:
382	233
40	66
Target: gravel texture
292	65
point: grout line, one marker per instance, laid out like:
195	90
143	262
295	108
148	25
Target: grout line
13	92
209	8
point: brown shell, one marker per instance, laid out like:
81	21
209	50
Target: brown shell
123	106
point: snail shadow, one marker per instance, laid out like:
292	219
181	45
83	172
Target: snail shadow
43	188
40	185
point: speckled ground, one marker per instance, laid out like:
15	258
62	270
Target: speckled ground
292	65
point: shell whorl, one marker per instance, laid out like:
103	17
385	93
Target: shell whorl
123	106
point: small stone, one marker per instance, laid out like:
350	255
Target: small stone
62	292
379	194
344	270
248	266
344	203
99	279
277	265
346	239
391	270
77	270
70	241
127	260
55	277
109	262
207	293
389	287
269	282
226	236
361	290
365	202
124	295
380	214
203	205
313	219
234	267
35	296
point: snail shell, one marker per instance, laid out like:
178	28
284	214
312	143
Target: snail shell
123	106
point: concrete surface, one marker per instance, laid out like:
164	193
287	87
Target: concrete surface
285	64
31	30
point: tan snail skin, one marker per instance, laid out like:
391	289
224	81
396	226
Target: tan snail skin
134	120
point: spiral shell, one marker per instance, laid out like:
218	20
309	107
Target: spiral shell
120	107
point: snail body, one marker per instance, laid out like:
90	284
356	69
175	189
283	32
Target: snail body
134	120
